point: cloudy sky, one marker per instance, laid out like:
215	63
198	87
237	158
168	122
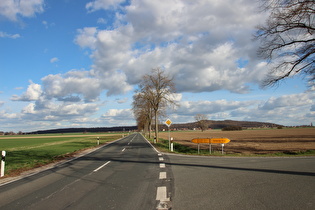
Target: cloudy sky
77	63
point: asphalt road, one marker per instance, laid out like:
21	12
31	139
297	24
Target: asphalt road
242	183
130	174
122	175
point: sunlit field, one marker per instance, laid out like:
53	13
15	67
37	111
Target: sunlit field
253	141
26	152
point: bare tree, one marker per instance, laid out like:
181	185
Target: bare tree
157	90
143	112
288	39
202	121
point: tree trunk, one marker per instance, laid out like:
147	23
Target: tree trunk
145	129
150	128
156	126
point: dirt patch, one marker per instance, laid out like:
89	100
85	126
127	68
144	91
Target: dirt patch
264	141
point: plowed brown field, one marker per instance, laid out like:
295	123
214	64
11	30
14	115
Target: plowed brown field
260	141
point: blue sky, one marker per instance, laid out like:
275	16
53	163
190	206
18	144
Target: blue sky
71	63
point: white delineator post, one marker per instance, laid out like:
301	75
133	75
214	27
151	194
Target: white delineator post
2	163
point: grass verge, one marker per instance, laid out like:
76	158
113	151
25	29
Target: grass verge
25	154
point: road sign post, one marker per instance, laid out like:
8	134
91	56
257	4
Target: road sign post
211	141
168	122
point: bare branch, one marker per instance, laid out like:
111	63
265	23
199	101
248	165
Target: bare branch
288	39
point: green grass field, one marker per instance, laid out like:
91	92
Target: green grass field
26	152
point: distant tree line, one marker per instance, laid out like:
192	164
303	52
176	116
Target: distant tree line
85	130
217	124
232	128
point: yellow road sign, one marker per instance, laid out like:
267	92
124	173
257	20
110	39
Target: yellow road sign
211	141
168	122
201	141
220	140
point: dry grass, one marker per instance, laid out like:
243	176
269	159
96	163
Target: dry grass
261	141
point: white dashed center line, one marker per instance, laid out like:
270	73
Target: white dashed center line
161	194
101	166
162	175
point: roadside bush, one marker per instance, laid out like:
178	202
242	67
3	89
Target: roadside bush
232	128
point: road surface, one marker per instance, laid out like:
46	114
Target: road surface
122	175
242	183
130	174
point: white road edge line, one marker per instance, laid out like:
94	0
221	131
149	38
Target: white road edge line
150	143
101	166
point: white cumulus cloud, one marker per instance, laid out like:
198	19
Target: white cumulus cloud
199	43
287	109
12	9
204	45
62	111
6	35
54	60
192	108
86	37
102	4
118	117
33	93
294	100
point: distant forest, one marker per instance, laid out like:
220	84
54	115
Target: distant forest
212	124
